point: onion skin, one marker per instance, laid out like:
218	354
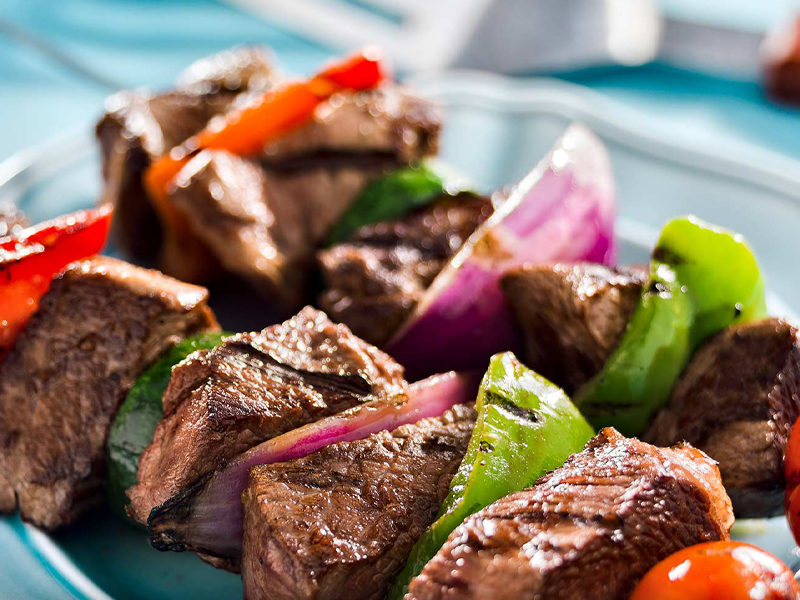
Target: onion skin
207	516
562	211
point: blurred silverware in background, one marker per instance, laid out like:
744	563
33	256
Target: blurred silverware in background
518	36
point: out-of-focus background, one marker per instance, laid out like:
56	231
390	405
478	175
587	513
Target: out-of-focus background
59	60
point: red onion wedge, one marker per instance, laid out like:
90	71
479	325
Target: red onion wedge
562	211
207	516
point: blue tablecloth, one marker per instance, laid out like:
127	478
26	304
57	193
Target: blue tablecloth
147	42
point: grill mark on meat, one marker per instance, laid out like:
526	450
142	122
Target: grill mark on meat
251	388
737	400
376	277
590	529
332	159
340	523
332	382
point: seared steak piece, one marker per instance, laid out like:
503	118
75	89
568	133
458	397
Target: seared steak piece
341	523
102	322
590	529
389	122
375	279
138	127
264	226
737	400
572	316
251	388
12	220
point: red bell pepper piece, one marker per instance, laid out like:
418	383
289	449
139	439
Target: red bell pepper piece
246	131
29	260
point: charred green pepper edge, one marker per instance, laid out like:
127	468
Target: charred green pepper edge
703	279
136	421
526	427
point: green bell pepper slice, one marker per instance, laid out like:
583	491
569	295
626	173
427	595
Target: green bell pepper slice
526	427
397	193
703	279
136	421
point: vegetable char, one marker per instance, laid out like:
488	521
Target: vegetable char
526	427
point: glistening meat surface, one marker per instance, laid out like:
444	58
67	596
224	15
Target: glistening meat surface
251	388
341	522
737	401
102	322
572	316
590	529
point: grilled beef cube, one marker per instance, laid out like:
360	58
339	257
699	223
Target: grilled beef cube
251	388
590	529
572	316
12	220
737	400
389	123
341	523
102	322
139	127
375	279
264	226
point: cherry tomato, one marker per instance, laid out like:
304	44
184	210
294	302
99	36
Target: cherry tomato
29	260
718	571
791	466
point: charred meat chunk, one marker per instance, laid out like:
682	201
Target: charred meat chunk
102	322
385	124
264	220
264	226
12	220
341	523
138	127
251	388
590	529
375	279
572	316
737	400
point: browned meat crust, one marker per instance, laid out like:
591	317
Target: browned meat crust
572	316
265	227
251	388
341	523
138	127
590	529
376	278
102	322
737	400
